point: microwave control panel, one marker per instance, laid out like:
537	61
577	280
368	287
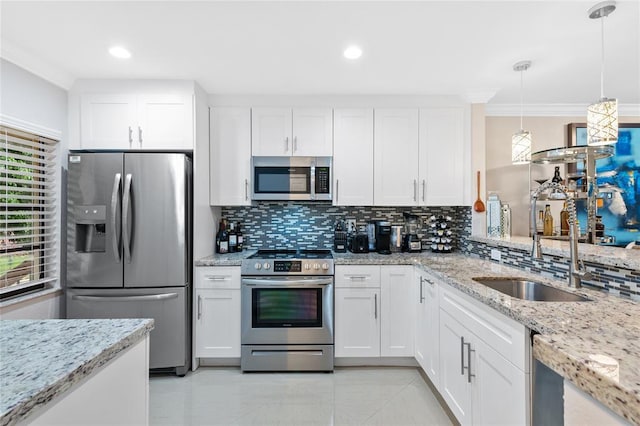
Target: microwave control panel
322	180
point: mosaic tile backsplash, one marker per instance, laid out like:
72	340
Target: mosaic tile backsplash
617	281
282	225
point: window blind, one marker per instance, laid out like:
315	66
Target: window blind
28	212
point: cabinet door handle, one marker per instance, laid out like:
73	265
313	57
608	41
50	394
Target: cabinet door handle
462	367
130	136
415	190
140	135
469	350
357	277
216	278
424	189
375	306
199	307
246	190
286	144
421	296
295	143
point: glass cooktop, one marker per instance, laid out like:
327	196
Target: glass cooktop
292	254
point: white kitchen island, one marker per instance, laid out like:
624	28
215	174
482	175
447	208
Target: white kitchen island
74	371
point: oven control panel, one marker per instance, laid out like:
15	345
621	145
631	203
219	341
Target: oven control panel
287	267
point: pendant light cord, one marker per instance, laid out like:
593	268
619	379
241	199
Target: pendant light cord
521	99
602	58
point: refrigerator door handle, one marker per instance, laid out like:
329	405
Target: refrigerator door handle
114	210
148	298
126	199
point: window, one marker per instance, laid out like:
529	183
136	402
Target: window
28	214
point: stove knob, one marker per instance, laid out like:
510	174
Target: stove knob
316	266
307	266
257	266
325	266
267	265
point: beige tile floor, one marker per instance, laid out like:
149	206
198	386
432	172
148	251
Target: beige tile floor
349	396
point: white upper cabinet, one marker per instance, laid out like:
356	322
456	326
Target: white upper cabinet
353	157
230	156
135	121
312	132
271	132
396	157
165	122
107	121
442	156
288	132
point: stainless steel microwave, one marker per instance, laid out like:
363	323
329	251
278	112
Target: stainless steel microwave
291	178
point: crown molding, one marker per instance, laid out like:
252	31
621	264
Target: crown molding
553	110
35	65
27	126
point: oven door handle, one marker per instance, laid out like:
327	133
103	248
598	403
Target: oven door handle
292	283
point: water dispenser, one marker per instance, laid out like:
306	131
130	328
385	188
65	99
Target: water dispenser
90	228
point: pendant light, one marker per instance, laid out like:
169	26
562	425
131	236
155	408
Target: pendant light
521	141
602	116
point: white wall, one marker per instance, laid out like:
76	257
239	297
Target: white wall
33	104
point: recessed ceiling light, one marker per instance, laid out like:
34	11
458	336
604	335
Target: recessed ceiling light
120	52
352	52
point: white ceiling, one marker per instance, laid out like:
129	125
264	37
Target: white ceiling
295	47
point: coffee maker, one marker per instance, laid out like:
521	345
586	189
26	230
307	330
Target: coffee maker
383	236
411	242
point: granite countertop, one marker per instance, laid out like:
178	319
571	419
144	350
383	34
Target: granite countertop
573	335
42	359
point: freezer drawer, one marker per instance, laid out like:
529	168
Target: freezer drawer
167	306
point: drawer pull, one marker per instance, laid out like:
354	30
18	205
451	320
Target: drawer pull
216	278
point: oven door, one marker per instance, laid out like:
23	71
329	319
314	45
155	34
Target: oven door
287	310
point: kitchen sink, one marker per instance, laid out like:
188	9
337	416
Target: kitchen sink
525	289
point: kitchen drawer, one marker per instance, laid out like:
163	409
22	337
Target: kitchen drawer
504	335
217	277
357	276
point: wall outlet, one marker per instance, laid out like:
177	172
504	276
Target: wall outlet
351	225
496	255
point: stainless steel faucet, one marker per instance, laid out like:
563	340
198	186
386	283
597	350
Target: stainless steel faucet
577	271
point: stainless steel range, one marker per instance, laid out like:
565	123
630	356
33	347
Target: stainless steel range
287	311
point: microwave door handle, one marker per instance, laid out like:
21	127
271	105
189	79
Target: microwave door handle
126	199
114	213
312	182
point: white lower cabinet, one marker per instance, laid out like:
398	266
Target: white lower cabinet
373	311
217	312
357	322
427	325
484	370
397	311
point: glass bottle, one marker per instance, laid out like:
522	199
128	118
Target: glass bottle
599	227
548	221
233	238
564	220
540	222
556	176
240	237
218	235
224	238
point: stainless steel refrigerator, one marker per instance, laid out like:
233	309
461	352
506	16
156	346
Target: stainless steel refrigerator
129	245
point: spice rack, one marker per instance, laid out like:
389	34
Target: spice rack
441	234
